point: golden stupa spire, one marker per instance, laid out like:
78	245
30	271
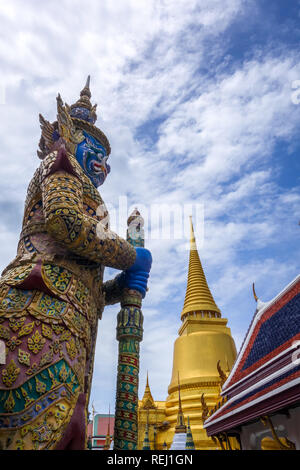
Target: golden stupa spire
198	296
180	426
147	400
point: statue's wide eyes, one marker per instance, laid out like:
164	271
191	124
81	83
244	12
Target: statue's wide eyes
93	148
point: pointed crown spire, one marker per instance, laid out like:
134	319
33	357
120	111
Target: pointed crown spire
198	296
83	108
83	115
254	293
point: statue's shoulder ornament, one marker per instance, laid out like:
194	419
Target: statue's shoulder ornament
55	161
62	161
59	160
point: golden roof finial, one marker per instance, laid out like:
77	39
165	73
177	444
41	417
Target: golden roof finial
254	293
259	303
198	296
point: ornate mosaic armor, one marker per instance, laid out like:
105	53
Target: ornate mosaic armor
51	297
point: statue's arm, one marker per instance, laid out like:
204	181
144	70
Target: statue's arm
112	291
66	223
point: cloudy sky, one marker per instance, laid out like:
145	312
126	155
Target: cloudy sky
201	103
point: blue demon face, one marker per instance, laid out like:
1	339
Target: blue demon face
91	156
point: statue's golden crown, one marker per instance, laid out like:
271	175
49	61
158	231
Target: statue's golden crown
71	121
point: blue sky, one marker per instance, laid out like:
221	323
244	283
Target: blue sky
198	103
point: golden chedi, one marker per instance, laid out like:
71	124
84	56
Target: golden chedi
204	353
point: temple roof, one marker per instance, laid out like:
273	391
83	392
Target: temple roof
280	315
198	296
265	376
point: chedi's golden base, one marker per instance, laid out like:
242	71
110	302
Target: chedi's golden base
203	342
203	355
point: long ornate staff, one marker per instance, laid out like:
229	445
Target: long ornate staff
129	334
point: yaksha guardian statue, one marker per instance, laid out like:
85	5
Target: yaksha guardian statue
52	294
